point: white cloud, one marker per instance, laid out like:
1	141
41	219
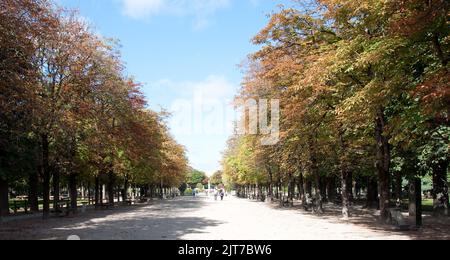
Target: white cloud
142	8
211	87
201	10
202	107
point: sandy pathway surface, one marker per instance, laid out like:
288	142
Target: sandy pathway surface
199	218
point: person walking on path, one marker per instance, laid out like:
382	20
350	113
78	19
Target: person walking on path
216	194
222	194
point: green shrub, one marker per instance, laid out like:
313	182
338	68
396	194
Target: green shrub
188	192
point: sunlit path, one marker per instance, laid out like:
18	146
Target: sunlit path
198	218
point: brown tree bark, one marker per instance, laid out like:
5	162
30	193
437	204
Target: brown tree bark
291	188
345	194
372	193
440	189
318	192
383	164
73	192
125	189
110	187
415	201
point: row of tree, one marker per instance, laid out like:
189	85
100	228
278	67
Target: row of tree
364	92
69	114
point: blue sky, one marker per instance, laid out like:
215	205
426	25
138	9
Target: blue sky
186	53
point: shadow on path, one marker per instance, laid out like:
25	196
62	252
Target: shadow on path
158	220
433	228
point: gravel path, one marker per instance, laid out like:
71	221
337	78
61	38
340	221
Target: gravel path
200	219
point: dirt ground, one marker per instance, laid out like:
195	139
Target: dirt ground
203	218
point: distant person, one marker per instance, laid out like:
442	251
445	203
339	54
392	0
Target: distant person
193	193
222	194
216	195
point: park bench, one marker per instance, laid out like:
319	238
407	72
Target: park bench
397	219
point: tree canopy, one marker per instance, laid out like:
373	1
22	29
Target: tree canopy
70	113
363	87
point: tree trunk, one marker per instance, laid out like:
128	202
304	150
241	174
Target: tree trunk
440	189
270	188
277	191
89	192
301	189
97	191
316	175
372	193
323	188
102	194
291	188
56	190
346	177
308	188
4	198
111	183
318	195
349	186
46	176
125	190
331	189
383	164
73	192
345	193
415	201
33	198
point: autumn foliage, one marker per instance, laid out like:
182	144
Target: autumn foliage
70	116
364	88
